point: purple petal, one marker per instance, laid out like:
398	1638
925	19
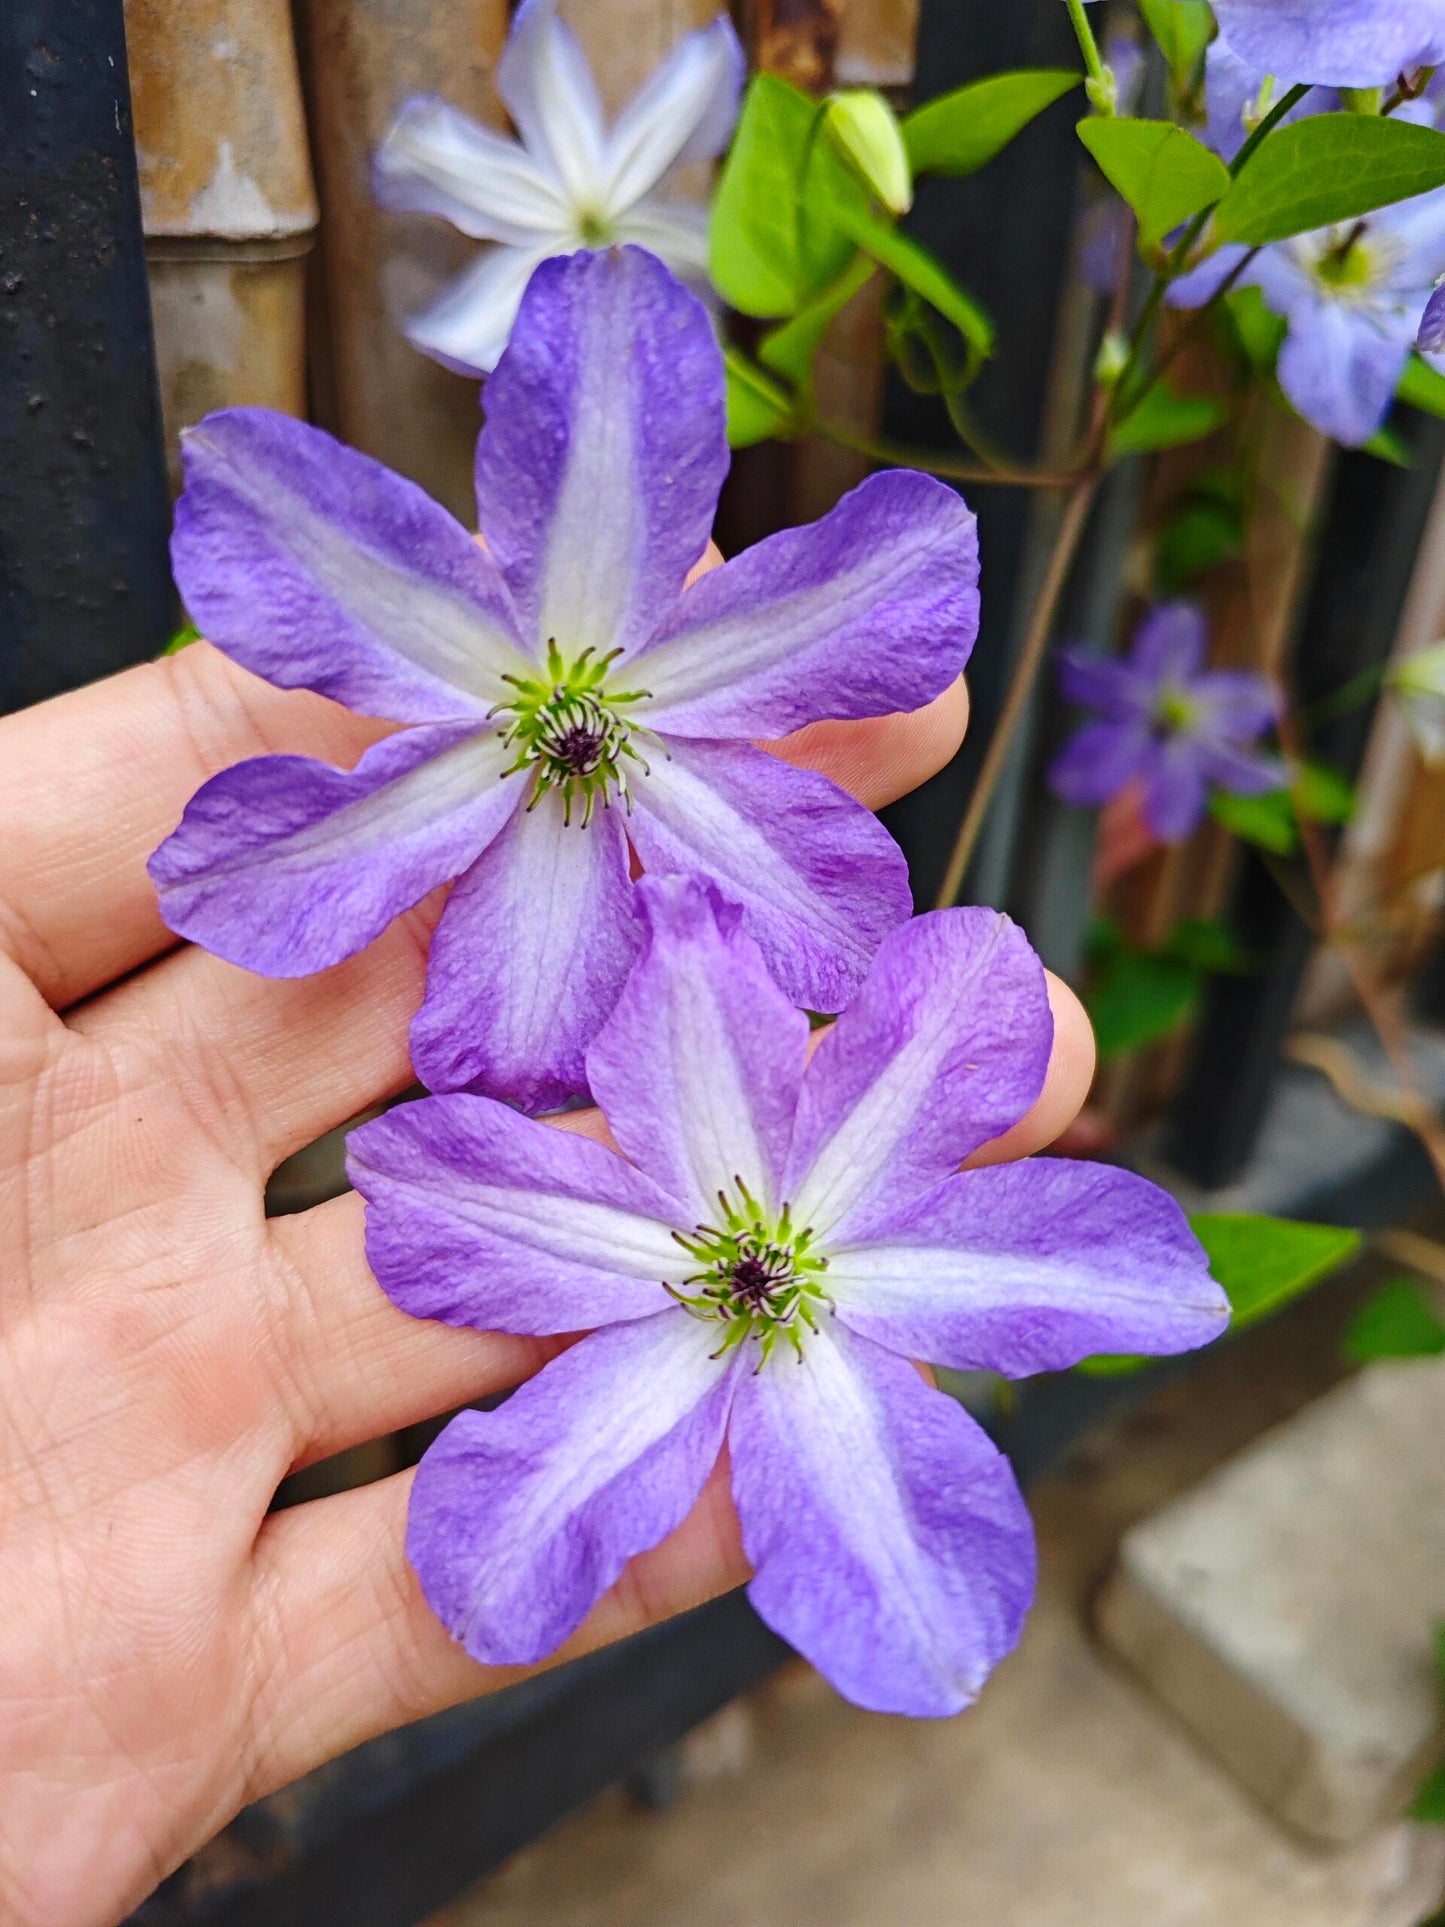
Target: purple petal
477	1216
1030	1267
891	1546
1097	761
528	958
1169	644
604	449
819	878
871	610
1103	683
943	1049
1176	788
1335	43
698	1067
1201	284
521	1518
1243	771
1232	90
1235	703
319	569
285	865
1340	372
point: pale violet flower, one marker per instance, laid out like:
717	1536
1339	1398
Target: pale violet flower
569	712
570	181
1167	723
1335	43
780	1238
1353	297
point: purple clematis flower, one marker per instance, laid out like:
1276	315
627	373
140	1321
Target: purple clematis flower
1353	297
565	703
1237	96
786	1237
1166	722
570	181
1335	43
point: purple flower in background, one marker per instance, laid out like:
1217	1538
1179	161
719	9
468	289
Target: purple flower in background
566	703
570	182
1430	336
1353	297
1237	96
1167	723
1335	43
786	1236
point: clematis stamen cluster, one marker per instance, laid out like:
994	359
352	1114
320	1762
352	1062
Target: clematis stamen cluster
780	1238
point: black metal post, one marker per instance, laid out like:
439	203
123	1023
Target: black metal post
85	586
1005	233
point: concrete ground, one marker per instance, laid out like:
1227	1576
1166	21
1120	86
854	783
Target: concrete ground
1066	1798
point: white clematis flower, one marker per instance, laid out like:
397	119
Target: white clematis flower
570	181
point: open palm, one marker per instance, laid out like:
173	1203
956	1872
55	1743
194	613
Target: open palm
168	1648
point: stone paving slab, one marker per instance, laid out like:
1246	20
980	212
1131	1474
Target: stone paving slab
1285	1607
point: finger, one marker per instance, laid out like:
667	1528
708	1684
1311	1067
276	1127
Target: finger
348	1647
1066	1083
92	781
297	1057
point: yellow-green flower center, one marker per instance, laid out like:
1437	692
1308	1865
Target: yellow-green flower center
1173	712
569	729
759	1279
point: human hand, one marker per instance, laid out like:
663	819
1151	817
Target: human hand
168	1649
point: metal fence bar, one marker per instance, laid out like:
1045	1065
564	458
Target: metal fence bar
85	585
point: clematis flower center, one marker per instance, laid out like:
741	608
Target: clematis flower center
1173	712
1350	267
595	230
759	1280
569	729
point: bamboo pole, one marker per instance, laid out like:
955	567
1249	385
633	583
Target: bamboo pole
228	203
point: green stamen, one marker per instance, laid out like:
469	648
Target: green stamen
569	731
758	1280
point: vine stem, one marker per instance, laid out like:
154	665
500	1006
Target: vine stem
1088	46
1370	994
1031	656
897	455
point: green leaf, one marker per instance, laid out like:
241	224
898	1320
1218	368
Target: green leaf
1264	1262
1268	821
1422	386
916	268
758	409
1396	1321
1427	1809
1259	332
790	350
1207	945
1163	173
1328	168
959	132
774	242
1322	794
1181	29
182	639
1261	1262
1139	997
1206	531
1163	418
1386	446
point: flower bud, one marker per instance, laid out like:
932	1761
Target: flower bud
1112	359
866	129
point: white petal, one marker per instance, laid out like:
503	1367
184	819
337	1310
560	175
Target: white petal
684	111
467	328
435	160
672	230
544	78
